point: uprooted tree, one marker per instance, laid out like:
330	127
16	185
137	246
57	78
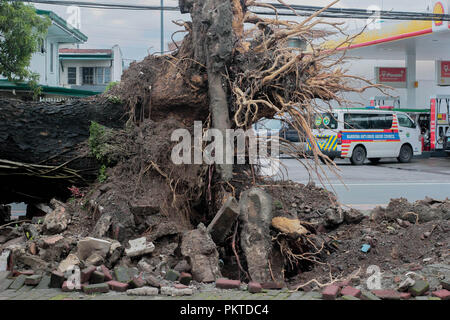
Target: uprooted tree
223	74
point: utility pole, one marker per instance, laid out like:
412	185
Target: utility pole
162	27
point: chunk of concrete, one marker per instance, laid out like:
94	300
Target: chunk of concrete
256	242
87	246
221	225
198	246
57	220
69	263
139	247
144	291
4	258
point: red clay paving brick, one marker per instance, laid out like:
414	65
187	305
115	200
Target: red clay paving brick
444	294
106	272
272	286
254	287
86	273
387	294
330	292
350	291
227	284
117	286
405	295
180	286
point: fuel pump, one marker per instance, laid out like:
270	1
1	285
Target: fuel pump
439	121
381	101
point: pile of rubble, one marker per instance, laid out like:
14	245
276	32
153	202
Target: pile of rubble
55	251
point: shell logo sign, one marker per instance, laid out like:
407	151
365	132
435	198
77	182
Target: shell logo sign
440	7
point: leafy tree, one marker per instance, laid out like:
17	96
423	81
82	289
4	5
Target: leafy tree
21	29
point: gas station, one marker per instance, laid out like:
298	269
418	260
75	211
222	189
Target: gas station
410	42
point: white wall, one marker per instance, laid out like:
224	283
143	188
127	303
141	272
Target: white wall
79	64
425	76
117	71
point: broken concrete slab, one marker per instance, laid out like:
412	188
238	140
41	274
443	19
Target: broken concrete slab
139	247
57	220
4	258
222	223
87	246
69	263
102	226
94	260
198	246
175	292
34	262
144	291
256	242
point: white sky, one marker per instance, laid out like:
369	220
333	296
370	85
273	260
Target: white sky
138	32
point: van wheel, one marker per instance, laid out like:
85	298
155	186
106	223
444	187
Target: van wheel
406	154
374	160
359	156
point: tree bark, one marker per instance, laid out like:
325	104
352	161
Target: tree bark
213	45
47	135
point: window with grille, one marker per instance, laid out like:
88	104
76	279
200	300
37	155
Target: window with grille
72	75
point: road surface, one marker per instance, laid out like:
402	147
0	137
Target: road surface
371	185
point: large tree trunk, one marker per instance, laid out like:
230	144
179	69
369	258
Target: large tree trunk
40	137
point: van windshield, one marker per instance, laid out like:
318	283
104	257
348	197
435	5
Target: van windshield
325	121
269	124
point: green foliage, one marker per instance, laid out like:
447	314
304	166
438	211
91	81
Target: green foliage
97	139
102	176
278	205
111	85
115	100
20	29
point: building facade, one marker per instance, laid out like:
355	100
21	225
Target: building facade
90	69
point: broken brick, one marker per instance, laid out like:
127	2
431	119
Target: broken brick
106	272
96	288
86	274
117	286
254	287
227	284
444	294
97	277
56	279
185	278
350	291
419	288
330	292
387	294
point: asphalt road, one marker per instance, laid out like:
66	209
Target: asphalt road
365	187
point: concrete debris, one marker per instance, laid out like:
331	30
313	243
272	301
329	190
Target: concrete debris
144	291
139	247
57	220
88	246
175	292
4	258
198	246
224	220
256	242
69	263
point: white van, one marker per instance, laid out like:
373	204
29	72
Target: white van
360	134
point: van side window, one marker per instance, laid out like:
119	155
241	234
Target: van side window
368	121
356	121
404	121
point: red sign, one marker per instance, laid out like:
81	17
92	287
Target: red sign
445	69
433	125
392	75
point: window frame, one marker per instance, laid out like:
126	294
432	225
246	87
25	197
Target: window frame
68	75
